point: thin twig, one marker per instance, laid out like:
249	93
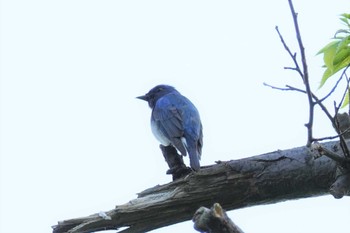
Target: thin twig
326	138
305	74
287	88
345	91
293	56
332	155
331	92
335	122
296	89
291	88
331	137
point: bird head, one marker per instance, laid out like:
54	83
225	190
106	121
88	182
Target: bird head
156	93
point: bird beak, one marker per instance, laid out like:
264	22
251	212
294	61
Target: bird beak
143	97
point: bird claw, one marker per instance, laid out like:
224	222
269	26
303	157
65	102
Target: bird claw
179	172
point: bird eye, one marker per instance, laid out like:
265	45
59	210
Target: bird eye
160	89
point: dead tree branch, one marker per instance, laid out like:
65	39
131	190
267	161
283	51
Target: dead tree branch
214	220
263	179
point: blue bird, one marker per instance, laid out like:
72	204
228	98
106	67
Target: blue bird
175	121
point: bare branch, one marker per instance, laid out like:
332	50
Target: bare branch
346	91
331	92
341	160
344	130
287	88
293	56
305	74
214	220
291	88
326	138
234	184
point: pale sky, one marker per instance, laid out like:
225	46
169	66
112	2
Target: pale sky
74	139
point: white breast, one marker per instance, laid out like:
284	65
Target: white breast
159	135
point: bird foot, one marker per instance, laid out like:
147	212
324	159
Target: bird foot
179	172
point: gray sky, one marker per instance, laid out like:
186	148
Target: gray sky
75	141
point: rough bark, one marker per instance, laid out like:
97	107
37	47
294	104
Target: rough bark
214	220
263	179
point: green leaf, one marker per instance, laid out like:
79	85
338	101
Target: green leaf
341	57
336	54
345	21
329	54
326	47
345	15
327	73
344	62
345	18
343	43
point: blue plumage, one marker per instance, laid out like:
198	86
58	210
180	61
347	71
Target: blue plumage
175	121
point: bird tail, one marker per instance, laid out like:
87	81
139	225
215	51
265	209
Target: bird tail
194	157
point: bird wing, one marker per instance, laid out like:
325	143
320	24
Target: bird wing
167	117
194	138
